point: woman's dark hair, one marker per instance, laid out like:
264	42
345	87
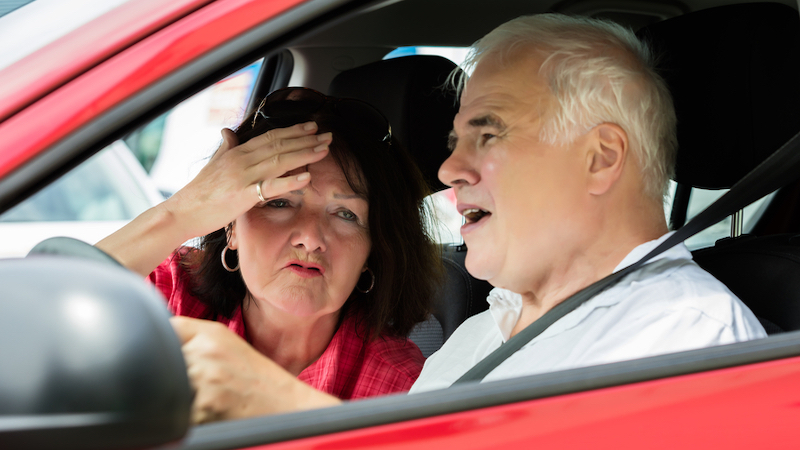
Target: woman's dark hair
403	258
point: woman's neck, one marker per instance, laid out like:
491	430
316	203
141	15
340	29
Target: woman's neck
292	342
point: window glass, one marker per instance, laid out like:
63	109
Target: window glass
455	54
700	199
111	188
105	187
446	227
8	6
175	146
88	203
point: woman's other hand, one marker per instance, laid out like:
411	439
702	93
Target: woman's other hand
232	380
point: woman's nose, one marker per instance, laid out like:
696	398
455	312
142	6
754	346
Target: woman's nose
309	233
459	168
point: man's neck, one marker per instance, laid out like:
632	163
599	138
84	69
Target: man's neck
579	270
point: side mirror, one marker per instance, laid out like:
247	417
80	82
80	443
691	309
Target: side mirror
88	358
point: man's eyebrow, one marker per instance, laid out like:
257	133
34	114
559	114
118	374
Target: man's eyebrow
486	120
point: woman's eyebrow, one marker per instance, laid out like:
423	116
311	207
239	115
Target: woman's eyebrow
348	196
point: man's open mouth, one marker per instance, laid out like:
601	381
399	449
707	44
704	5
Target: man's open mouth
473	215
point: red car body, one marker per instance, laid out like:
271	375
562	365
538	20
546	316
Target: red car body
71	84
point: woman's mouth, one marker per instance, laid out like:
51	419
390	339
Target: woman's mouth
305	270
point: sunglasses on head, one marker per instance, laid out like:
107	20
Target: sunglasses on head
299	103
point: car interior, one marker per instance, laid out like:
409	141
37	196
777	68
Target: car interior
732	68
734	109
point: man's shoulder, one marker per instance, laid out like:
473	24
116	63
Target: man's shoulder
677	285
682	291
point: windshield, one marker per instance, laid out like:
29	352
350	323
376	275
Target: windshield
10	5
28	25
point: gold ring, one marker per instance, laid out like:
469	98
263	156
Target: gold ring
258	191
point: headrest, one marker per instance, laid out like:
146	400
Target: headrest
411	94
734	73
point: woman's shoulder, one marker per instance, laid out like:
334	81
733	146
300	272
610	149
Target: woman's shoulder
172	280
385	352
399	352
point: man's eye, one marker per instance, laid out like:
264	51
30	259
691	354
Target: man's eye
347	215
486	137
278	203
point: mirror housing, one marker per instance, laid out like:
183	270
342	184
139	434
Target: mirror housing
89	359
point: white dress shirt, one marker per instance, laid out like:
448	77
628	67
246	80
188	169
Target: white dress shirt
670	306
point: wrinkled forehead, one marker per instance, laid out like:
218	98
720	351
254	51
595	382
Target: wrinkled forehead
346	151
328	176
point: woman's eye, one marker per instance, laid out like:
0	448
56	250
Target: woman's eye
278	203
347	215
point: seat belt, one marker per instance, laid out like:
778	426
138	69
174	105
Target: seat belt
778	170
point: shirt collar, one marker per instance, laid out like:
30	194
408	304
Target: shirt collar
679	251
506	306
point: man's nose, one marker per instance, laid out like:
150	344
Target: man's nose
459	168
309	233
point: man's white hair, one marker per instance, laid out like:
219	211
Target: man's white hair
599	72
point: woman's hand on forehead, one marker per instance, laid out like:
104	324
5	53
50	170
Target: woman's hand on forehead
273	164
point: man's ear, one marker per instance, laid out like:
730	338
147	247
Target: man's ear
606	158
231	231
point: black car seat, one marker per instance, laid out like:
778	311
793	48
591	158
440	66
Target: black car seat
410	92
734	72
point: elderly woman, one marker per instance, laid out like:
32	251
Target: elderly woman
313	252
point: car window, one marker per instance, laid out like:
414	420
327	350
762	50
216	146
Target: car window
446	227
700	199
103	188
176	145
455	54
10	5
88	203
133	174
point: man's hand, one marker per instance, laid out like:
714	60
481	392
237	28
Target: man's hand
232	380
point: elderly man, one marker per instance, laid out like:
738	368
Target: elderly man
562	149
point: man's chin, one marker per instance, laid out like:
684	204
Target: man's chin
479	264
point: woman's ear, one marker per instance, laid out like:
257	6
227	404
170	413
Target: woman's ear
606	158
230	230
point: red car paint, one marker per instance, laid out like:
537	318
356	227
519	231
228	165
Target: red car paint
741	407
